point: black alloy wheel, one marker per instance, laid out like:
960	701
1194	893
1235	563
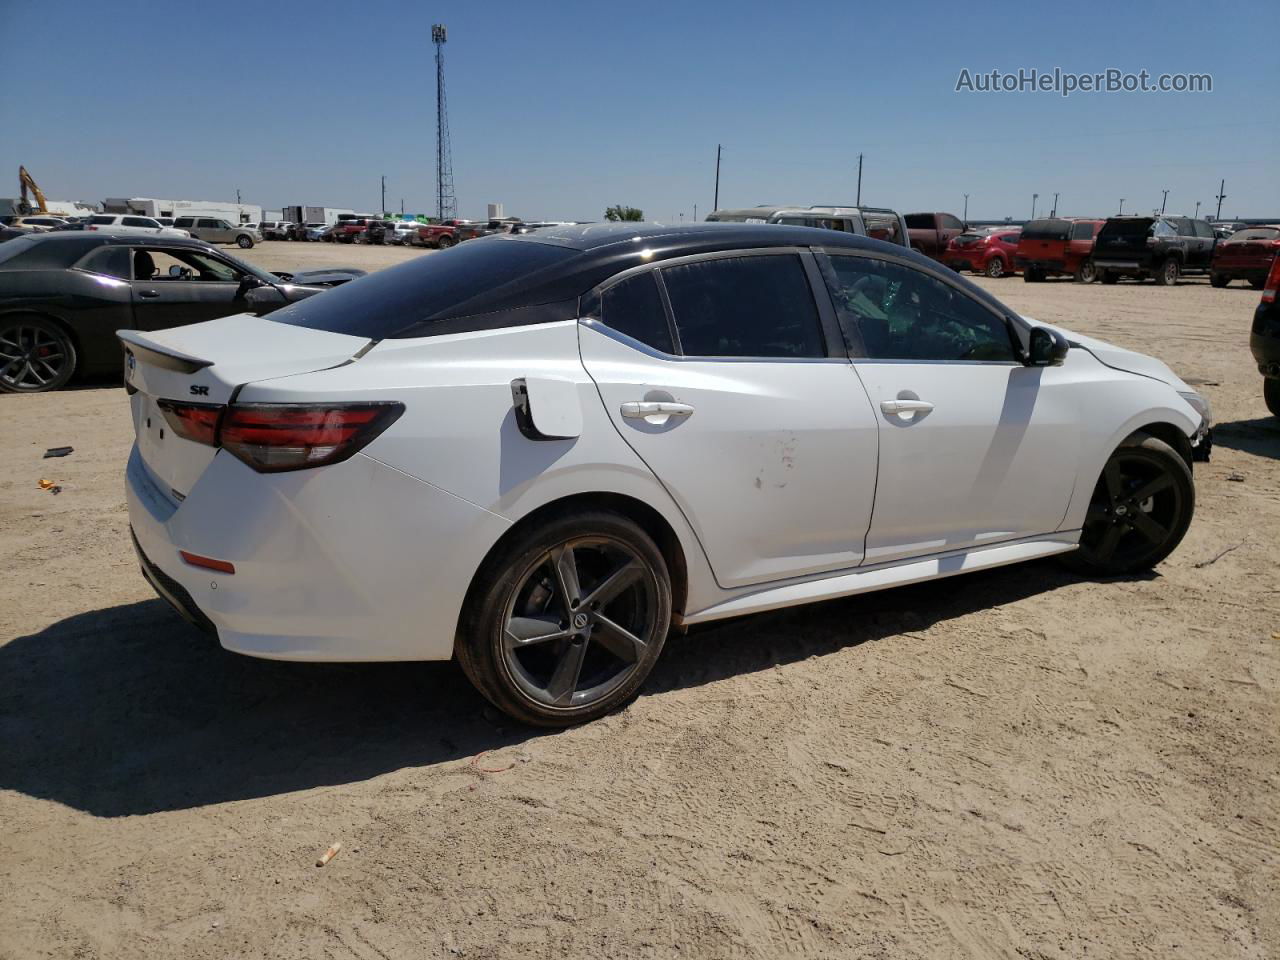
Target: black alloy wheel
568	623
35	355
1140	509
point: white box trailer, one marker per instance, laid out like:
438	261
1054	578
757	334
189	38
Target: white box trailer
152	207
308	214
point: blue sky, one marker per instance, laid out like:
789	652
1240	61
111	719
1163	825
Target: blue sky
559	109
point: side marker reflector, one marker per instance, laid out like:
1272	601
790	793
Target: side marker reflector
208	563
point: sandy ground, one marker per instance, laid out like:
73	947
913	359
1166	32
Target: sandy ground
1014	764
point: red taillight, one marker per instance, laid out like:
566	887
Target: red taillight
197	422
1273	282
272	437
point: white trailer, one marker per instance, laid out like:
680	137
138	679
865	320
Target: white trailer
221	210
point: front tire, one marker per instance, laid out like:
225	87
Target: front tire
1141	508
995	268
36	355
1271	394
1217	279
564	624
444	243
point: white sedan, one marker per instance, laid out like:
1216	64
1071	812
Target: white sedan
538	453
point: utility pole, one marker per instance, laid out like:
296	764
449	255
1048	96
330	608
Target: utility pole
1197	209
716	203
1163	201
1121	213
237	196
446	202
1054	211
858	202
1222	195
695	213
1034	198
966	209
402	206
382	210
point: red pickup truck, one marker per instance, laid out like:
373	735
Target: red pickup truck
442	235
930	233
349	231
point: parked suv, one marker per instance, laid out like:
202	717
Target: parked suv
402	232
212	230
990	251
441	235
1246	255
1163	248
876	222
377	229
1056	246
128	223
273	229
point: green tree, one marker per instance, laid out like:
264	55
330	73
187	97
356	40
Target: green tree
619	212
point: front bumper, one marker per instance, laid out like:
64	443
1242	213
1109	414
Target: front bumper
351	562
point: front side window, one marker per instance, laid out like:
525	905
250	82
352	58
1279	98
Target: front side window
1203	230
634	307
745	307
156	264
901	313
102	220
140	222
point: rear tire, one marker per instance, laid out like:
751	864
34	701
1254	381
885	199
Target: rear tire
1087	273
1271	394
1218	279
1168	272
566	621
1141	508
243	242
1030	275
36	355
444	243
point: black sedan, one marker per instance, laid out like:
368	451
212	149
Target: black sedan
63	296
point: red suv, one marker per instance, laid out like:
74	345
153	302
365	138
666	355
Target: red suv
990	252
1058	246
1245	255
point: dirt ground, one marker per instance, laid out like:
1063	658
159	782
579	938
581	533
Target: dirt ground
1013	764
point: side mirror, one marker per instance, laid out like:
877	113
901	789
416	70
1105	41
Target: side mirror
1047	348
247	282
176	271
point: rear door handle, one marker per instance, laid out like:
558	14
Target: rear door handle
149	294
639	409
906	406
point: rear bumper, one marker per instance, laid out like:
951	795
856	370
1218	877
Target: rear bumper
352	562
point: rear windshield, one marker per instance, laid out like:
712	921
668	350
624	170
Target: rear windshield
1047	229
1137	227
453	283
1256	233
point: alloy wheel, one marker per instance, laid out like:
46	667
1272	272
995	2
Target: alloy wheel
578	623
32	358
1134	513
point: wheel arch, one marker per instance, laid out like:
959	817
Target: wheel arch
1168	432
643	514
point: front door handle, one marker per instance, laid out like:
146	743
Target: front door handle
905	406
149	294
641	409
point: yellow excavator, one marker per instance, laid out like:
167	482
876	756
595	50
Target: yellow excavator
25	183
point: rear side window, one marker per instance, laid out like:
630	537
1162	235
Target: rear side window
210	224
745	307
469	279
634	307
185	222
140	222
110	261
1203	229
1082	231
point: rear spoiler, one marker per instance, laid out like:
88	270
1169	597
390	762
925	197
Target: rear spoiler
158	355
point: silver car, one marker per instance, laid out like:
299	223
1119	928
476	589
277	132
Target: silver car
212	230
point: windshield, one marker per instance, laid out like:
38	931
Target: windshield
1256	233
453	283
